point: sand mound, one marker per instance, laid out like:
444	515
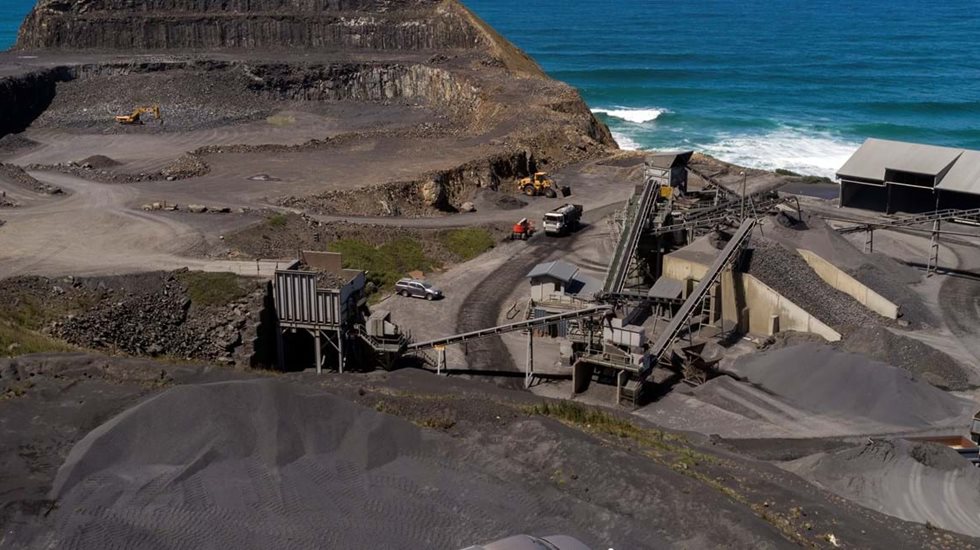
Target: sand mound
266	464
819	378
916	481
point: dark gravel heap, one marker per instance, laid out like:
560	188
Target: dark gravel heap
156	319
892	279
789	274
928	363
17	176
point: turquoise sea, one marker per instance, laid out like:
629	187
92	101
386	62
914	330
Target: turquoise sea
768	83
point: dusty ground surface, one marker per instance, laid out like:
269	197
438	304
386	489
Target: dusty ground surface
405	433
378	124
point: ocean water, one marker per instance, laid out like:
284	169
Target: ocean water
791	84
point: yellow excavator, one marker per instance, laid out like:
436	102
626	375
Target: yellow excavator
135	117
538	184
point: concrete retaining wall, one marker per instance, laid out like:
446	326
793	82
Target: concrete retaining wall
835	277
747	301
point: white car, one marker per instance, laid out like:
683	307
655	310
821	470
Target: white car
527	542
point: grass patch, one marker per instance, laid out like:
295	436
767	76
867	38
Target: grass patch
277	220
18	340
467	243
384	264
602	422
212	289
22	319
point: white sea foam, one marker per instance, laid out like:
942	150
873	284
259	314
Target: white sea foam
817	154
625	142
636	116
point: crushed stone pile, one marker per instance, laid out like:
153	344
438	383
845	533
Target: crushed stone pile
99	162
268	464
11	143
820	378
787	272
915	481
892	280
154	317
923	360
17	176
881	273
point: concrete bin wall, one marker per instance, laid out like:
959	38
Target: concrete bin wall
745	300
837	278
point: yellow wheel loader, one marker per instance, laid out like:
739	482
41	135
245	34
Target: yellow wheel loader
538	184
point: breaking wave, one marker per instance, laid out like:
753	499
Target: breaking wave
819	154
636	116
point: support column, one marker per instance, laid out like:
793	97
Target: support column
933	264
340	350
440	359
280	352
529	366
317	351
869	243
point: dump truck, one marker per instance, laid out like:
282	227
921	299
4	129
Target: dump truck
135	116
522	230
538	184
563	220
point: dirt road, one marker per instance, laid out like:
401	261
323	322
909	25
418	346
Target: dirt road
92	231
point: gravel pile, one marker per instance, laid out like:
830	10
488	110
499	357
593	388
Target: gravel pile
822	379
99	162
17	176
268	464
12	143
787	272
923	360
892	280
915	481
184	167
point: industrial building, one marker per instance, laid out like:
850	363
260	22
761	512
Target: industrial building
893	176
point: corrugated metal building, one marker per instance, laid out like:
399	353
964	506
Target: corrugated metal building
317	295
894	176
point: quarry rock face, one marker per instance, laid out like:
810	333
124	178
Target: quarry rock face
216	63
205	24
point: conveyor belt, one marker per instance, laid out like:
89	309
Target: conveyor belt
635	224
680	319
510	327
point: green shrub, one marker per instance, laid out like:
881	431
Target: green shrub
384	264
277	220
212	289
467	243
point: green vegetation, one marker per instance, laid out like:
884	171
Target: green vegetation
384	264
801	178
467	243
212	289
277	220
17	340
20	324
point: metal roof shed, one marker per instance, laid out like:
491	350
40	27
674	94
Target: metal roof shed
895	176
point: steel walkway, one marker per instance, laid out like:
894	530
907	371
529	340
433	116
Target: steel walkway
510	327
936	216
636	222
680	319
